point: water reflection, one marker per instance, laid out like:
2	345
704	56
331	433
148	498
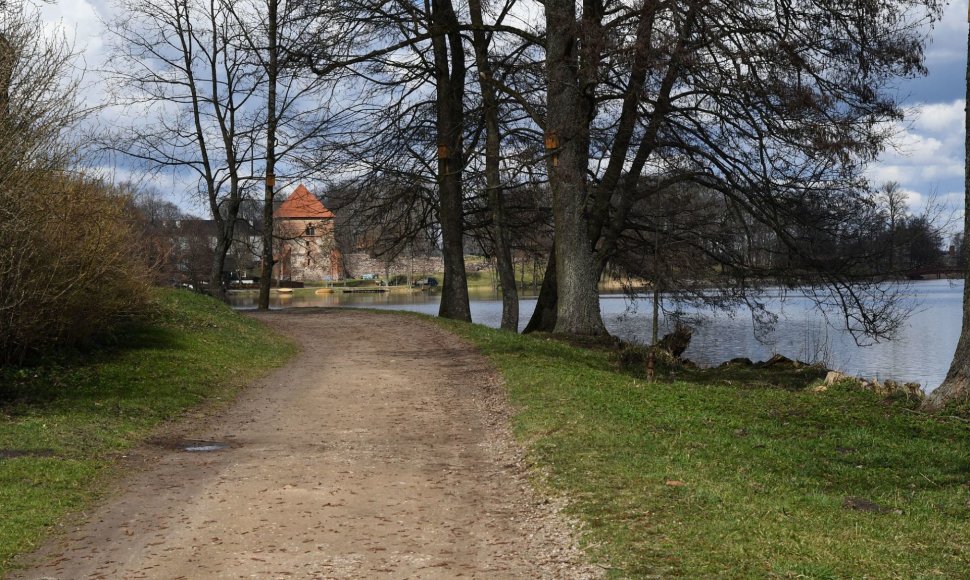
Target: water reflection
921	352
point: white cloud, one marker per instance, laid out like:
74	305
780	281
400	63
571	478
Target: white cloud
914	198
940	171
917	148
926	155
881	173
81	23
941	118
949	35
79	20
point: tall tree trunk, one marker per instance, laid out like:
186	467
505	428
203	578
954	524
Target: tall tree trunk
223	241
956	386
269	191
567	136
493	180
544	316
266	236
614	197
450	85
225	232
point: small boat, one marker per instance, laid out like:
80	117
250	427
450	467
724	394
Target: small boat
324	291
285	290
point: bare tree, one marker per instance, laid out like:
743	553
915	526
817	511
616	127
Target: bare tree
63	236
572	60
412	116
775	105
180	65
449	76
299	107
39	93
271	65
216	102
893	201
493	178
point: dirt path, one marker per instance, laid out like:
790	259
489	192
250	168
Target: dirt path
380	451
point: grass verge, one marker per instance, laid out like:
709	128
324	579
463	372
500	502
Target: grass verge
64	422
736	475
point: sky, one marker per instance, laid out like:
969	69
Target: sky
927	158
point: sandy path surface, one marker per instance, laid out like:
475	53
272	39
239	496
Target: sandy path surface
380	451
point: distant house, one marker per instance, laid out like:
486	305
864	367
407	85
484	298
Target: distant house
194	247
304	247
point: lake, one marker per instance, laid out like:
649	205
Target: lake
921	352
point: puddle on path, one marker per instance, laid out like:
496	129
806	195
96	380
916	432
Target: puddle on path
203	446
192	445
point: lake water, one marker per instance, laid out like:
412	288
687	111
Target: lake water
920	353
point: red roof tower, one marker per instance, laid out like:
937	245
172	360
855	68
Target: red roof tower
303	205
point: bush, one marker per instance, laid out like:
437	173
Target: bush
69	266
632	358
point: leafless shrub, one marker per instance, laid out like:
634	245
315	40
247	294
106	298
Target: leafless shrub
68	269
68	266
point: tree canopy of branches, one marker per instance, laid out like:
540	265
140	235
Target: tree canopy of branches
699	144
773	107
215	102
777	106
411	64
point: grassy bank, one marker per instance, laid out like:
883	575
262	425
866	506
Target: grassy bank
63	423
724	474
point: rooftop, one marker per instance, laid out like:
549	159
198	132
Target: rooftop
303	205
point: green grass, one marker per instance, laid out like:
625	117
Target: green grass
76	414
737	474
